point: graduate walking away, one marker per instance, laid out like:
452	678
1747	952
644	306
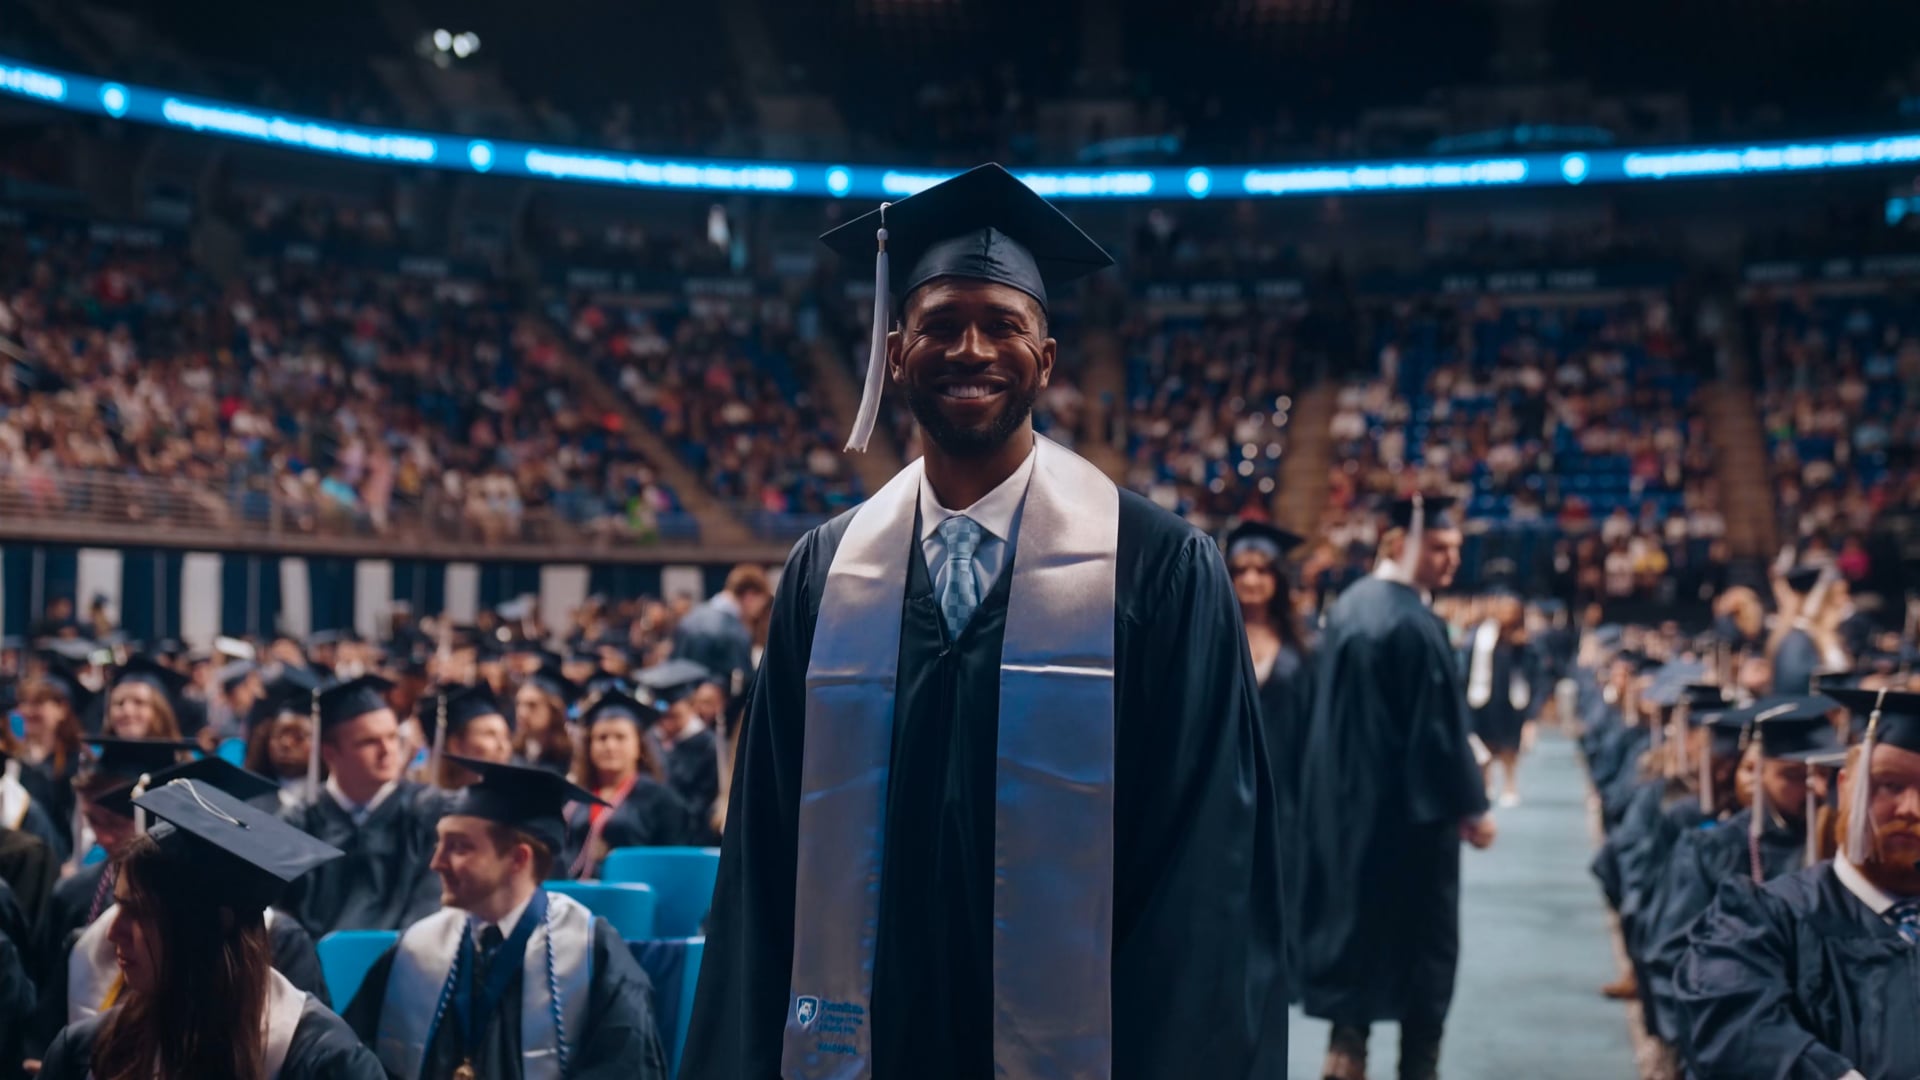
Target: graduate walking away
1390	788
200	997
1002	805
508	980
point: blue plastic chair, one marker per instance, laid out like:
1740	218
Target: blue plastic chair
673	966
345	957
682	880
628	905
234	751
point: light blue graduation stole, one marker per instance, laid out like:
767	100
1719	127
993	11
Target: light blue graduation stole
1053	797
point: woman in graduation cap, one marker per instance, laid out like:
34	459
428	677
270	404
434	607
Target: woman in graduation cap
475	727
542	737
636	808
201	997
1817	973
51	705
1005	730
142	701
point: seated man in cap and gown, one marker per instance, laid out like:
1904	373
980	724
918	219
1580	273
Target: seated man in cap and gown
200	998
1816	974
508	980
383	822
1390	788
1765	840
1005	729
690	755
475	726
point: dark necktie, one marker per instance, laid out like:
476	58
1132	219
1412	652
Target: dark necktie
490	941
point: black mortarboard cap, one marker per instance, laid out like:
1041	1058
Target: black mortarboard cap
531	800
129	759
217	771
551	680
984	224
352	699
610	703
1793	726
1802	579
670	681
242	858
234	674
73	650
1703	701
1727	730
1899	714
463	704
1438	512
145	669
169	647
326	637
1261	538
66	682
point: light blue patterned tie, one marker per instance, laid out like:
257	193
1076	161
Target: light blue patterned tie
962	593
1905	918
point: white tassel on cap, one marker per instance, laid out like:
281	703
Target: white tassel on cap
1706	778
439	739
139	815
313	749
1860	799
1813	831
877	347
1416	535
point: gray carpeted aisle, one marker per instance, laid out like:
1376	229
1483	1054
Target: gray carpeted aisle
1534	951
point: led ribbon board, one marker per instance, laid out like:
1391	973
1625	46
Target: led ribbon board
459	153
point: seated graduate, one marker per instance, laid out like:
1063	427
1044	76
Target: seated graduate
280	733
16	986
29	841
542	738
144	700
93	979
689	755
635	807
475	727
1815	974
508	980
383	822
51	705
200	998
1764	841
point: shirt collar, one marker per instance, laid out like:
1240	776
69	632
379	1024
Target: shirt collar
352	808
1872	895
994	512
507	925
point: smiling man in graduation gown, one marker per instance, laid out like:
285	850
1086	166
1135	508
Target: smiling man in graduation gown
1002	806
1816	975
1390	788
508	980
383	822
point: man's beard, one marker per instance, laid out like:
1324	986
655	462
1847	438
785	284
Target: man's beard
971	442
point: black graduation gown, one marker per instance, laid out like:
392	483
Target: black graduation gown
650	816
619	1041
1795	663
32	870
1799	980
16	985
383	882
1389	777
323	1048
693	771
1286	703
53	790
1704	859
1499	722
1197	894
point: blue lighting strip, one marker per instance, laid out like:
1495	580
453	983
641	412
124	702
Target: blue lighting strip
84	94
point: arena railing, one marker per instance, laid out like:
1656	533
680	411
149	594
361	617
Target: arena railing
421	149
256	513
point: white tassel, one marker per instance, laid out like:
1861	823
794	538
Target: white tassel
1416	535
869	413
1706	778
1860	800
1813	831
140	815
313	748
439	740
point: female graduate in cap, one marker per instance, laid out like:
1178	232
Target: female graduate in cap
141	703
636	807
542	737
984	692
201	998
51	705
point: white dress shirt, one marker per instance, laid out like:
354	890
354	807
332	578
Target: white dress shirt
998	515
359	813
507	925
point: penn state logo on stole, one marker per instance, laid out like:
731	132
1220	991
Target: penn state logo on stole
806	1010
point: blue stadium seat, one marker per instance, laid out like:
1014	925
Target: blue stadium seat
234	751
673	966
628	905
345	956
682	880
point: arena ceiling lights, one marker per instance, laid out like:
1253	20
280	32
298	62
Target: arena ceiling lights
84	94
